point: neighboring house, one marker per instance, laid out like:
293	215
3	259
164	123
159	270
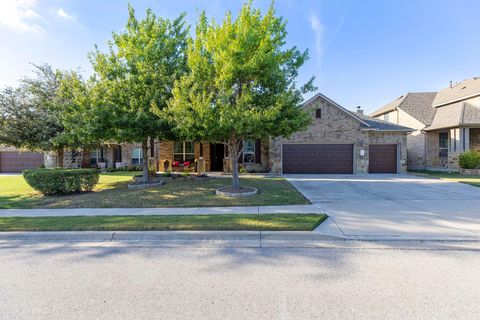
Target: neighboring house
13	160
451	125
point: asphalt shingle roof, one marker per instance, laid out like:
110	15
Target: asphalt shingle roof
416	104
381	125
454	115
459	91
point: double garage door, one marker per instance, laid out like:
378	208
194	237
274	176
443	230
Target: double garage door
14	161
335	158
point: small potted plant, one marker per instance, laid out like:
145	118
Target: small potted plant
166	165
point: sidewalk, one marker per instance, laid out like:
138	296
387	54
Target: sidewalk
298	209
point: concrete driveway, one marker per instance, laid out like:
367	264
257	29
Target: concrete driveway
394	205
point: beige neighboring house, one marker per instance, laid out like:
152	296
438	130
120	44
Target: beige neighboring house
447	124
13	160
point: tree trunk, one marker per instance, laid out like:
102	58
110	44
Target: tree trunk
234	153
145	161
60	155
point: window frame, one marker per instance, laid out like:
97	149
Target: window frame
137	160
443	144
98	156
185	156
250	153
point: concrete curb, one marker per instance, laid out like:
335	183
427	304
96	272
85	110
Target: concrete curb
243	239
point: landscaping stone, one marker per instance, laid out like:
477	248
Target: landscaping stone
242	192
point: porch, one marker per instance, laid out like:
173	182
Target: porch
444	146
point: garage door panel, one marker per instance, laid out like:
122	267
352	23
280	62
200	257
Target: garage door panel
13	162
317	158
382	158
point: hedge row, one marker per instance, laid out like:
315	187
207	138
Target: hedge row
61	181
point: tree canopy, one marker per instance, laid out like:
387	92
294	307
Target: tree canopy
31	114
136	77
241	82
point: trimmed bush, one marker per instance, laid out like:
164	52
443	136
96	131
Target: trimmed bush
61	181
469	160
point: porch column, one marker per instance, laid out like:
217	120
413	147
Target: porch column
466	139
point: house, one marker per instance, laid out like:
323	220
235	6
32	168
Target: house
13	160
445	127
338	141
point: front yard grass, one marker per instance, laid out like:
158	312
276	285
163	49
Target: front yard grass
112	192
450	176
264	222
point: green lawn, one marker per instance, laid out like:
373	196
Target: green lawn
451	176
266	222
112	192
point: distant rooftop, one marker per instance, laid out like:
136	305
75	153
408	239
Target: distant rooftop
458	91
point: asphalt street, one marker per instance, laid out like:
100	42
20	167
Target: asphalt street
108	281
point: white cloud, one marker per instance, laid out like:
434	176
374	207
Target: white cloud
63	14
318	30
20	15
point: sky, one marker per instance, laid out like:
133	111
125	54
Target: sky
362	52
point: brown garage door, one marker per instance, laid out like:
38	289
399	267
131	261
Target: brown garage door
382	158
14	161
317	158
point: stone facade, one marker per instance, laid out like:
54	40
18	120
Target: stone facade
336	126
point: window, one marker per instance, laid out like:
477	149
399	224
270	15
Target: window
183	151
386	117
318	113
96	156
443	144
137	156
249	151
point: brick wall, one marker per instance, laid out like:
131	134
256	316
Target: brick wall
433	160
334	127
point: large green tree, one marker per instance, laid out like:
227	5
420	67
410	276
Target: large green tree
136	76
31	114
241	82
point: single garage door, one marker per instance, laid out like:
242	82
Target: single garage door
14	161
382	158
317	158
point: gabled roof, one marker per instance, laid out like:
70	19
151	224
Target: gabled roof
319	95
381	125
368	123
416	104
460	91
455	115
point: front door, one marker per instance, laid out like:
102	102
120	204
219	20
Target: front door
216	157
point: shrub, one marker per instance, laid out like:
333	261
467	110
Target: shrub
469	160
111	169
61	181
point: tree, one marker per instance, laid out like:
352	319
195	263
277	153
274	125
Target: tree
241	83
136	76
30	115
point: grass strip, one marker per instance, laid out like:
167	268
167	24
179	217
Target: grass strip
262	222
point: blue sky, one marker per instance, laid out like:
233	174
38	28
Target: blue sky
362	52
